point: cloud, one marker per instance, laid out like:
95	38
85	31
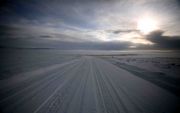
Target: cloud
123	31
80	23
45	36
64	45
164	42
46	31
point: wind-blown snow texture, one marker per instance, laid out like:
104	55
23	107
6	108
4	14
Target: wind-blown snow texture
81	84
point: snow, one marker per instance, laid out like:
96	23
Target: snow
61	83
170	66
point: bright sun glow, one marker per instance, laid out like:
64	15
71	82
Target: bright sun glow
146	25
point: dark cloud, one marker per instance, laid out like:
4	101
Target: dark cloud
64	45
163	42
123	31
5	29
45	36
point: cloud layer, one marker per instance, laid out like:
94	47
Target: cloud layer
164	42
84	24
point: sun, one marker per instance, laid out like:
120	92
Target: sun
147	24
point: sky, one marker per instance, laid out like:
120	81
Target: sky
90	24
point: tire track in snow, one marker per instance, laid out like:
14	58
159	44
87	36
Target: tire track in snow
67	84
111	91
118	92
38	83
23	80
37	91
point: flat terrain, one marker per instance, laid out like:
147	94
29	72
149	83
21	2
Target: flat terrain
82	84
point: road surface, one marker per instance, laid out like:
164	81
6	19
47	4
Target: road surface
84	85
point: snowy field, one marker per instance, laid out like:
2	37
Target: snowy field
54	81
164	65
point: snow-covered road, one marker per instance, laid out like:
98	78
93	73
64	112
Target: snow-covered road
83	85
